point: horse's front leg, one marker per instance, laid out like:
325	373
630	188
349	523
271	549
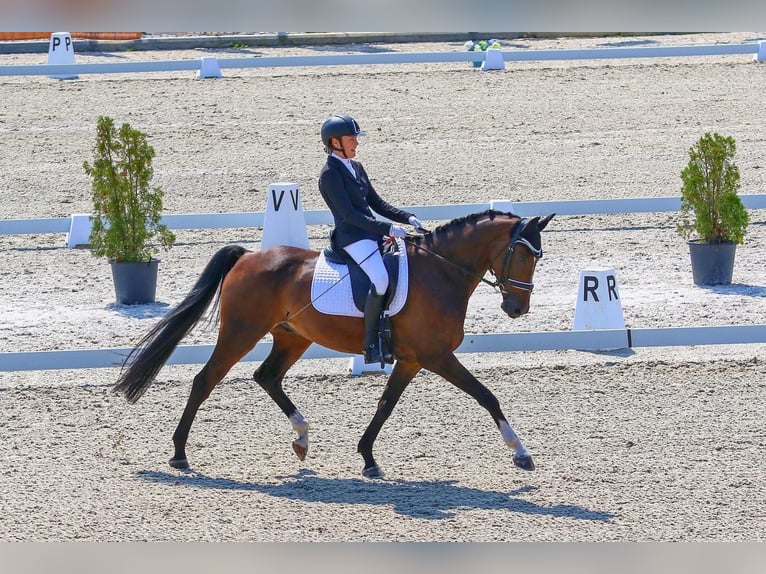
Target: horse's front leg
286	350
401	376
450	368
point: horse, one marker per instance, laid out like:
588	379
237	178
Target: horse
269	291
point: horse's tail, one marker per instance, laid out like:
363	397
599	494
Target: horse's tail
154	349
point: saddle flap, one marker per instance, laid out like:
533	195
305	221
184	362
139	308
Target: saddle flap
360	283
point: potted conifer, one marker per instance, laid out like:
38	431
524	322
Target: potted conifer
126	215
713	218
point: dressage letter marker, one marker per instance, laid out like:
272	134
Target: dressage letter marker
598	301
284	222
61	51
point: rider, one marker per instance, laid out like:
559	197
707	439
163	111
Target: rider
347	190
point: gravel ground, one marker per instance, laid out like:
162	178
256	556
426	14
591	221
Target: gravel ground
659	444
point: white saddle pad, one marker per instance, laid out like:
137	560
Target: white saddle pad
331	287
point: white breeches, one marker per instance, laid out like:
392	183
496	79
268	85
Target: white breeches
367	255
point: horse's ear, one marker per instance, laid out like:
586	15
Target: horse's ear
544	221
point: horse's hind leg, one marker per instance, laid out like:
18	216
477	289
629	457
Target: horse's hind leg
450	368
234	342
201	389
285	351
400	377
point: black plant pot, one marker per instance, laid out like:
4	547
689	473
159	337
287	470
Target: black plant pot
712	263
135	283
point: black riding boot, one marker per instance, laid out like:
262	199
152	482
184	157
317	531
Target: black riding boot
372	311
386	345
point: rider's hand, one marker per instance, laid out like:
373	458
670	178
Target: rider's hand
415	222
397	231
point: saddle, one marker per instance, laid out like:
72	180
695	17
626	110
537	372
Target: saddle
360	283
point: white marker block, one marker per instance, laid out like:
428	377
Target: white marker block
209	68
284	222
598	301
79	231
761	55
357	366
61	51
501	205
493	60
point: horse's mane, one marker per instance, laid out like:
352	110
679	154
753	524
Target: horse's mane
469	219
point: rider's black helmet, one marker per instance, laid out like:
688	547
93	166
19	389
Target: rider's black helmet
337	126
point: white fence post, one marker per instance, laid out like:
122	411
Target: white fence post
209	68
79	231
493	60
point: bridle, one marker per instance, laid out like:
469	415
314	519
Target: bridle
515	239
501	283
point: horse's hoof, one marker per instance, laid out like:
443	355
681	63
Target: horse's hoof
300	450
524	462
180	463
373	472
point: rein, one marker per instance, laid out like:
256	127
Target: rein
500	282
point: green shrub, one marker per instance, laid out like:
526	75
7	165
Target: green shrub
711	210
126	210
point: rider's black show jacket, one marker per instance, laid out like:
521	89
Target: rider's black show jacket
352	202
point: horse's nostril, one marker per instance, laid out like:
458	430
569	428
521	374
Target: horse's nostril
513	309
510	310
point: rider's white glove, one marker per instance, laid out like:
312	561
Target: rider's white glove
415	222
397	231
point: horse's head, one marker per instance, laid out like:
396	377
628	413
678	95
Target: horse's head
514	266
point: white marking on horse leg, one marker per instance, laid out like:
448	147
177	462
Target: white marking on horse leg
301	426
512	439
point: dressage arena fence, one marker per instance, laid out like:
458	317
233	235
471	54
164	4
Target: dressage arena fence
427	212
583	340
210	66
593	340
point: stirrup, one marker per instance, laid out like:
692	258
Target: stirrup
373	355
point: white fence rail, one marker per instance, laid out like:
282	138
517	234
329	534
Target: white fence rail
425	212
473	343
383	58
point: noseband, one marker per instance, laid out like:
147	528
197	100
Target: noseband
515	239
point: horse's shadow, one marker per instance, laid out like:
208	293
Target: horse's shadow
432	500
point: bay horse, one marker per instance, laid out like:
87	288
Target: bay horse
270	292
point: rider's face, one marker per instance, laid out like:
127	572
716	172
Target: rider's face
349	145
